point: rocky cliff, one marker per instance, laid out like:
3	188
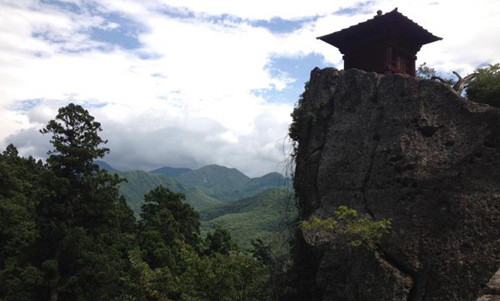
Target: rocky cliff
406	149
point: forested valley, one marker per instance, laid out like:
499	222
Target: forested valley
66	233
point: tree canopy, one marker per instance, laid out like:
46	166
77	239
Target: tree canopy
67	234
485	88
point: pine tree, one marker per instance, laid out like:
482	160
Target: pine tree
78	220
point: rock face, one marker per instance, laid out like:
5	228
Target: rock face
492	290
406	149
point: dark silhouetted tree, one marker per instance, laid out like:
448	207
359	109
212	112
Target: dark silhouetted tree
77	221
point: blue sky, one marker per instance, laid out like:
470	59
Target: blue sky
185	83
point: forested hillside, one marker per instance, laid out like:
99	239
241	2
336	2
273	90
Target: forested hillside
66	234
254	208
205	187
269	215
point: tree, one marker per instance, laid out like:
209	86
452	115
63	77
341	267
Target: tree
426	72
218	277
485	88
166	223
80	184
219	241
277	265
19	188
66	235
75	137
77	220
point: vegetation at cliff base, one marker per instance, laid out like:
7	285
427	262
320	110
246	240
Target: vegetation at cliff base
67	234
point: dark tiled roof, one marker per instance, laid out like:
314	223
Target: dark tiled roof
392	20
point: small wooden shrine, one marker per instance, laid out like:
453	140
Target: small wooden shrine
386	44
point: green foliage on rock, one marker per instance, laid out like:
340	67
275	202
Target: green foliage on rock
485	87
299	119
348	226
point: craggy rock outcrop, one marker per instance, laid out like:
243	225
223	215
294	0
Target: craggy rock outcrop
492	290
406	149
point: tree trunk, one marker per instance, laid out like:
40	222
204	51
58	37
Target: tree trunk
53	296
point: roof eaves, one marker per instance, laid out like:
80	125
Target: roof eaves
394	12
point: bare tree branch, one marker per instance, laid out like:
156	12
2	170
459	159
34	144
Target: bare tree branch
462	82
439	79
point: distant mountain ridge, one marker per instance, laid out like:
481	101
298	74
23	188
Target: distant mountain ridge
171	171
217	181
249	208
204	187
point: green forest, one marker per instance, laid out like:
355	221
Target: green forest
67	232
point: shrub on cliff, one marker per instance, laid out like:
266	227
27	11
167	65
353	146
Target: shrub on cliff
347	225
485	88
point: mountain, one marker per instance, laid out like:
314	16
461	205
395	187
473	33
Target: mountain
270	180
216	181
141	182
171	171
204	187
249	208
106	166
264	215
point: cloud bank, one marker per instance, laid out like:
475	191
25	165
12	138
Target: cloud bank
189	83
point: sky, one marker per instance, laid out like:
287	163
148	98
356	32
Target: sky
186	83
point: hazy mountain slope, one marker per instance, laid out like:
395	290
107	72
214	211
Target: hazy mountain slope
106	166
216	181
171	171
269	199
249	208
270	180
140	182
221	195
260	216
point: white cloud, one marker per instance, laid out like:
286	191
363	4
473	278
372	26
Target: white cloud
186	97
264	9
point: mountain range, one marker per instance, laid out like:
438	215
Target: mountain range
249	208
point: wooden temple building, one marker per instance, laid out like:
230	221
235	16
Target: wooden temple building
386	44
